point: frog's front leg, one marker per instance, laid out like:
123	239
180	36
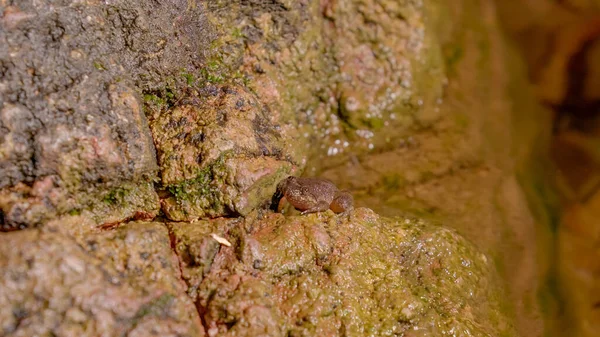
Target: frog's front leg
322	206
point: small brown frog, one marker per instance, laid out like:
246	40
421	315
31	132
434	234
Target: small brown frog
310	195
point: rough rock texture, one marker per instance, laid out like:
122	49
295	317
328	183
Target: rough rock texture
220	157
410	104
113	283
357	76
462	164
355	274
77	140
74	133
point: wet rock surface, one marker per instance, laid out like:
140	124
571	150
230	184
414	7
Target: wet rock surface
338	275
358	76
473	162
188	110
219	157
328	275
119	282
70	106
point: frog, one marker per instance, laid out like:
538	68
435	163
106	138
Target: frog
312	195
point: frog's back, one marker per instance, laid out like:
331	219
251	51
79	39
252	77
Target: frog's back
320	188
307	193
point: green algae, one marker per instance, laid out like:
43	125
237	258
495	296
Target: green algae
354	275
202	191
115	196
154	99
99	66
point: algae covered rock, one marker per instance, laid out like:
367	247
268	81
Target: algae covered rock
391	71
60	159
221	156
353	274
356	274
74	135
112	283
237	95
348	77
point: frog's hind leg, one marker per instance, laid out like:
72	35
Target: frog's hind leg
343	202
320	207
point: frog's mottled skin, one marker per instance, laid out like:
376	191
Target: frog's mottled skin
311	195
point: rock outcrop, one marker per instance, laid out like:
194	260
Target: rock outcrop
138	140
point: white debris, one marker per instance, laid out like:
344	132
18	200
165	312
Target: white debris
221	240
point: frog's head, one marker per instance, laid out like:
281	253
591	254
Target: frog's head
280	192
286	183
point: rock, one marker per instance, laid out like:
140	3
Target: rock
237	95
472	161
71	113
220	157
196	248
326	275
118	282
348	78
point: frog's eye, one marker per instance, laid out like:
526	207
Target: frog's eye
304	190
